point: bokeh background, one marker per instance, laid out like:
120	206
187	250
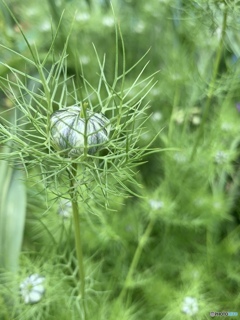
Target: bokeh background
189	186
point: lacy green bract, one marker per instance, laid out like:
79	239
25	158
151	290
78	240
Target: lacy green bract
70	132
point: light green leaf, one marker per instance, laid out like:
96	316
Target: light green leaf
12	215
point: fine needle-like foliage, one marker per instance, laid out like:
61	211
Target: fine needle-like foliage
86	180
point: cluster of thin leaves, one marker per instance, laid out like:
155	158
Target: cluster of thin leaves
25	127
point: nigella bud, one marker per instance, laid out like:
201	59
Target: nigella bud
72	131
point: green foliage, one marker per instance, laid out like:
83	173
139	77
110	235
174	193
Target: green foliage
159	205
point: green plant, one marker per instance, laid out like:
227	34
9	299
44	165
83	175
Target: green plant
102	175
159	231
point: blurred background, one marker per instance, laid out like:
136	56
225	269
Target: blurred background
189	264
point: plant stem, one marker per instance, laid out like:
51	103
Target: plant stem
77	233
211	85
176	100
136	258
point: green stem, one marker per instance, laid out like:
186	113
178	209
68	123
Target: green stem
209	246
174	107
211	85
77	233
136	258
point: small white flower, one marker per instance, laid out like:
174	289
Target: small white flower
108	21
156	116
32	288
83	16
220	157
70	132
84	60
45	26
196	120
190	306
31	12
65	208
139	27
179	116
156	204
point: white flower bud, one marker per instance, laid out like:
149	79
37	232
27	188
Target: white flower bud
70	131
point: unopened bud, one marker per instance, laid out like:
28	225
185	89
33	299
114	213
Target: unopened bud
73	133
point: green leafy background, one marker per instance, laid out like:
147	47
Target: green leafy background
192	121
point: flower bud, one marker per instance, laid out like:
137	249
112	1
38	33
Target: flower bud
72	132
